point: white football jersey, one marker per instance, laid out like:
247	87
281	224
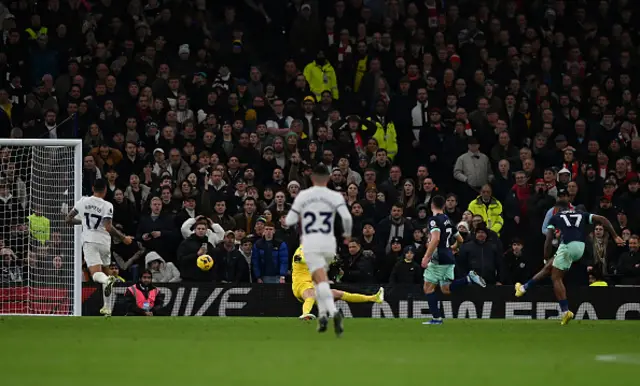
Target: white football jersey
93	211
315	209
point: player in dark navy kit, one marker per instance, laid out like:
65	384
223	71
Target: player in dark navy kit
572	226
439	260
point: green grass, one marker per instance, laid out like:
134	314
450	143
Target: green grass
248	351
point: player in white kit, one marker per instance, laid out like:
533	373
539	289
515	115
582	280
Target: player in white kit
95	217
315	210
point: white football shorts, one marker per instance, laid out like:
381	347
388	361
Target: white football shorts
317	260
96	254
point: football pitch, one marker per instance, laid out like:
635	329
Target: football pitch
269	351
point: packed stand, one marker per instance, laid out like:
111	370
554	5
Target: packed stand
206	119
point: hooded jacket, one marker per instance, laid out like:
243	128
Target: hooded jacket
166	272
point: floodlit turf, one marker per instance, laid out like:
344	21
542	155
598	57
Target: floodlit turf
246	351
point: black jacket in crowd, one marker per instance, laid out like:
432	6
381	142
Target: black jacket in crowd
359	268
406	272
164	244
188	256
484	258
231	265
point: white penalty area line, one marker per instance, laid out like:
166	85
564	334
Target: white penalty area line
629	359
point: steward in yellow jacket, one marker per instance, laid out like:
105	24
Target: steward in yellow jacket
321	76
490	210
385	130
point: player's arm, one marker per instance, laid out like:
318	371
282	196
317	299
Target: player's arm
293	217
347	220
71	217
459	241
433	244
607	226
548	241
113	231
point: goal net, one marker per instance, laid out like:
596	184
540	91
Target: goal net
40	258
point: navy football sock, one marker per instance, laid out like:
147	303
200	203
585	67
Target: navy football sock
564	305
529	284
458	283
432	299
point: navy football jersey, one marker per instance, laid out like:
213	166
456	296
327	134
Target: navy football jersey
443	254
571	224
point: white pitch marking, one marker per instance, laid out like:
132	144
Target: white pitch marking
630	359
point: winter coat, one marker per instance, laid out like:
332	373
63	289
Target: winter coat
269	258
484	258
188	256
166	272
491	214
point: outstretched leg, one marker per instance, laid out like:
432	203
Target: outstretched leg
521	289
359	298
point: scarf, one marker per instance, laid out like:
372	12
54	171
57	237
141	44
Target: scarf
522	194
573	168
343	50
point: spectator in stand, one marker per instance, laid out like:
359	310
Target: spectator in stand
162	271
629	263
157	231
473	169
395	225
194	246
270	257
490	209
406	270
483	257
358	264
232	266
520	264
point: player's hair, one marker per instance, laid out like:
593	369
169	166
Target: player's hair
99	185
438	202
562	204
320	171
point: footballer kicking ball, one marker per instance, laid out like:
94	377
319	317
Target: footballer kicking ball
205	262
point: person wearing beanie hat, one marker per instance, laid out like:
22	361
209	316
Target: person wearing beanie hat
406	270
573	227
439	261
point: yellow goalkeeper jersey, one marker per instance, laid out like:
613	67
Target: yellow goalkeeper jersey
299	272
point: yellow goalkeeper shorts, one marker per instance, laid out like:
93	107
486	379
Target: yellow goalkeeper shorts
298	290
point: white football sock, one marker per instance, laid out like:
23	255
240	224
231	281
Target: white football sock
106	299
323	291
322	309
100	277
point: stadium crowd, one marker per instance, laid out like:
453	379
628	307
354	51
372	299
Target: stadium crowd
206	118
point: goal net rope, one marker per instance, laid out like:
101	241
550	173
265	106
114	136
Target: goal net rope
36	246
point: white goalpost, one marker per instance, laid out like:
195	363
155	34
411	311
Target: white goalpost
40	255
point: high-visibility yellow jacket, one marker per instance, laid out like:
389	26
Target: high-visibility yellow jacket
34	34
321	78
491	214
386	136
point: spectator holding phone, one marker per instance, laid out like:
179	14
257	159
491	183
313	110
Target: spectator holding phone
197	244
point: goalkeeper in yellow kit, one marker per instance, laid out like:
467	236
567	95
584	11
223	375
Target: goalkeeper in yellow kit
304	291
